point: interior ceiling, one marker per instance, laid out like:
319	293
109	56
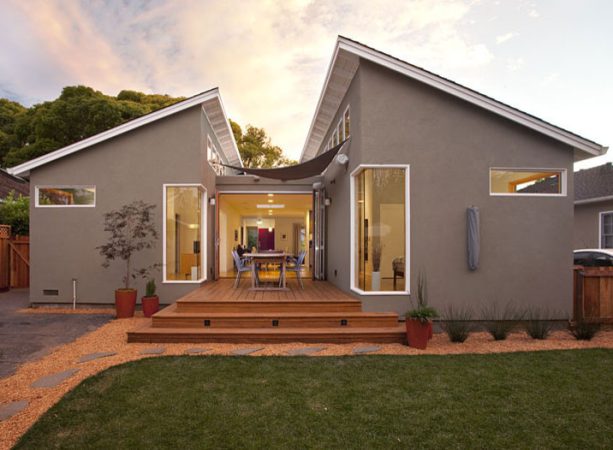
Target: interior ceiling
296	205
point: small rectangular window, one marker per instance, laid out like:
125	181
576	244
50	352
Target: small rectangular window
544	182
347	123
335	137
606	229
341	130
65	196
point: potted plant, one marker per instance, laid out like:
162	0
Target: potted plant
150	302
419	319
376	267
131	230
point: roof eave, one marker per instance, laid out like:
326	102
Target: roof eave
23	170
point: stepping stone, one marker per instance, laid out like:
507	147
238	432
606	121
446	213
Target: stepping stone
93	356
362	350
55	379
8	410
305	351
246	351
153	351
196	351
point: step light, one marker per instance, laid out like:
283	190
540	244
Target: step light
275	323
207	323
343	322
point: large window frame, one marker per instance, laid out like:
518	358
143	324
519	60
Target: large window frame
37	188
407	218
601	215
203	233
563	182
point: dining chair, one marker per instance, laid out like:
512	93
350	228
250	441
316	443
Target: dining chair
296	266
241	267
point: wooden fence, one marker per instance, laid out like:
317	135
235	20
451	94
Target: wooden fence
593	294
14	260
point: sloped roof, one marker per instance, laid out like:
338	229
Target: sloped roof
10	183
211	104
345	62
594	184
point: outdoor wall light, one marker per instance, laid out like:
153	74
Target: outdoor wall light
342	159
212	201
328	201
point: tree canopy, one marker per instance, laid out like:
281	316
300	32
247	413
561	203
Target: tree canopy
80	112
256	149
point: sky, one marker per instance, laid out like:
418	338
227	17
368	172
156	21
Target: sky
552	59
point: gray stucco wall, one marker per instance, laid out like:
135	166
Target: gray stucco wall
586	226
526	242
133	166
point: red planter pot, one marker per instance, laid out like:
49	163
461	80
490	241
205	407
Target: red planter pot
151	305
125	302
418	333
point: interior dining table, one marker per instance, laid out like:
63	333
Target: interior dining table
271	257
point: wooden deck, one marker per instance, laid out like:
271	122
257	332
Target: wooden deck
217	312
223	290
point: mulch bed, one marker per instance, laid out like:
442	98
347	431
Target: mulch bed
111	337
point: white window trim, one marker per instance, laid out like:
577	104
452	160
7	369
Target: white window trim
600	214
343	120
341	126
203	233
63	186
563	180
407	218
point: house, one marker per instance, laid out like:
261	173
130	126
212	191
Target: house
10	183
419	151
594	207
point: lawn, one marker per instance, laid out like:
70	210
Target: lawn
560	399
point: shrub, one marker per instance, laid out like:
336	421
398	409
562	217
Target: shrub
456	323
583	330
15	211
499	322
150	288
538	324
422	312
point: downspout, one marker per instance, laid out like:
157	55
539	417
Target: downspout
74	293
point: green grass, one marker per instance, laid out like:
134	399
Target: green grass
561	399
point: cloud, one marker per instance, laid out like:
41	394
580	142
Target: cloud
514	64
268	58
505	37
533	13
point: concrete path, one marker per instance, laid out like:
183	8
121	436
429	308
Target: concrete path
97	355
363	350
54	379
246	351
24	337
8	410
305	351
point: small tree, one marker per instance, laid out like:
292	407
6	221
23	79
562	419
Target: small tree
15	211
131	230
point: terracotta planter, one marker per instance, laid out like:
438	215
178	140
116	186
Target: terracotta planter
151	305
418	333
125	302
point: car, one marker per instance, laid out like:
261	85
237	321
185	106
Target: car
594	257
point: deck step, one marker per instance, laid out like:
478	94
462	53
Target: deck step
337	335
260	306
170	318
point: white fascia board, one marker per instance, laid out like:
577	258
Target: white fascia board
24	169
473	97
576	142
319	102
234	146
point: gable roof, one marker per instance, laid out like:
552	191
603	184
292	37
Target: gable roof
594	184
345	62
212	106
9	183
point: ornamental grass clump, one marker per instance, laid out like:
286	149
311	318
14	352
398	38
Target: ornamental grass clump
457	323
423	312
538	324
500	321
583	330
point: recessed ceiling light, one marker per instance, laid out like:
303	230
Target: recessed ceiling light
270	200
271	195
